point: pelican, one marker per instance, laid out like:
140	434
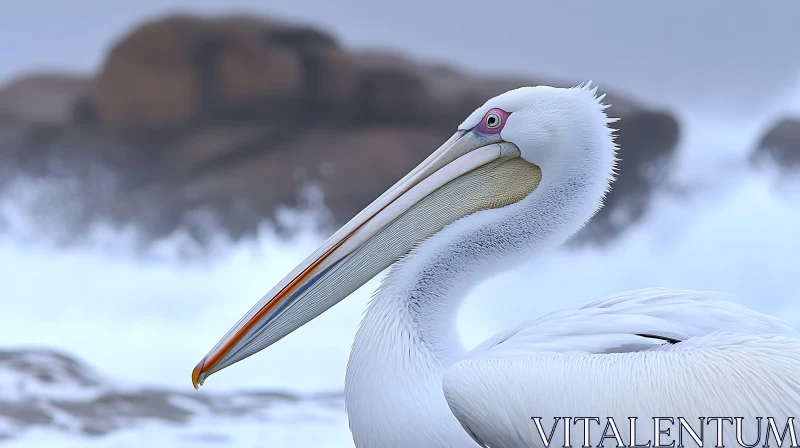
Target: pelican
522	173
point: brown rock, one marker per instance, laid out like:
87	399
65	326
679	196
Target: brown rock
174	71
780	145
352	166
329	77
35	111
393	90
12	134
35	382
45	99
204	147
148	79
251	71
237	116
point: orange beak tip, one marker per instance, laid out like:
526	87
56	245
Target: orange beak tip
197	381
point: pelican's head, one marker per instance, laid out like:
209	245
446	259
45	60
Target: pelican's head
498	157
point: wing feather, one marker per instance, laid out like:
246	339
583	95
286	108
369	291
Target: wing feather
592	360
605	325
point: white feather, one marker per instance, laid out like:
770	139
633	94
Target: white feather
589	360
614	323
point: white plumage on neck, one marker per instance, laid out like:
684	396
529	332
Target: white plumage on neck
409	337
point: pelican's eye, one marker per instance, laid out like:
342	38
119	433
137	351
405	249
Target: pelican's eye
493	121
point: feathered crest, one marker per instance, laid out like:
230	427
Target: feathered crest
592	91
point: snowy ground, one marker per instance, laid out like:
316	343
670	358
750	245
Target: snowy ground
297	427
238	433
48	399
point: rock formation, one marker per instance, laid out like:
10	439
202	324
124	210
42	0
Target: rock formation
236	116
780	146
46	389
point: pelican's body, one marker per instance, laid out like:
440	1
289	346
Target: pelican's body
523	173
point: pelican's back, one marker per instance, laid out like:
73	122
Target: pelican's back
617	357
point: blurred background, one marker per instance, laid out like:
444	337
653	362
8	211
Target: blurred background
164	163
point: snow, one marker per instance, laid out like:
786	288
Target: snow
292	426
48	399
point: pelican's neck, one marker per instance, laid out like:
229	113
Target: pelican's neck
409	336
393	388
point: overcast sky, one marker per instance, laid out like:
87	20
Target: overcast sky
721	54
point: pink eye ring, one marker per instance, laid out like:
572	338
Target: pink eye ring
493	121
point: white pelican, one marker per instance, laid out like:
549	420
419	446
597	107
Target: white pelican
523	172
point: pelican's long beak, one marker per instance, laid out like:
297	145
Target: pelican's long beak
471	171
